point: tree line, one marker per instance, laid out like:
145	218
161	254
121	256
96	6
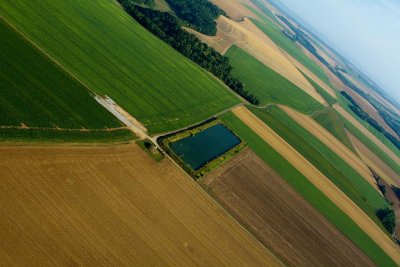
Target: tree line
198	14
168	28
366	117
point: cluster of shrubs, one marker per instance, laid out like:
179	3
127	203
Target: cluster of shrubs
198	14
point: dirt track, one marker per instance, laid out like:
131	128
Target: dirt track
114	206
319	180
278	216
333	143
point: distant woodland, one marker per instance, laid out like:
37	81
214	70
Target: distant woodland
366	117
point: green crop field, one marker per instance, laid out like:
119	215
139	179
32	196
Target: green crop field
106	49
330	121
345	104
328	162
308	191
371	145
37	93
325	95
276	35
267	85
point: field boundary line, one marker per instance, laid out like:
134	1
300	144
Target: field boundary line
45	53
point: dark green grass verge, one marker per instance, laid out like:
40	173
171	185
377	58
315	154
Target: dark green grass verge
331	122
36	92
325	95
329	163
57	136
306	189
112	54
267	85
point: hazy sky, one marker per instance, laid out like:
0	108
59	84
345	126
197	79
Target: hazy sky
366	32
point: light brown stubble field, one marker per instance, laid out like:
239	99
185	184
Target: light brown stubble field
112	205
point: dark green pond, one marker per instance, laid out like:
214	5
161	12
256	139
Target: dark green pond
205	146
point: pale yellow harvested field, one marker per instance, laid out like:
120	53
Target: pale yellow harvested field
364	104
367	133
235	9
112	206
310	74
320	181
333	143
247	36
389	175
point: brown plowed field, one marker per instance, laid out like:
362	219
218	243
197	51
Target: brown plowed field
319	180
278	216
113	206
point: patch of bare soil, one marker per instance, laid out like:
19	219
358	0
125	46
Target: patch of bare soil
278	216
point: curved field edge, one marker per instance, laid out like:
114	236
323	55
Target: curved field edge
268	85
305	188
149	79
118	207
330	164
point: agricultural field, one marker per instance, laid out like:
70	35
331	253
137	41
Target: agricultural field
376	163
369	140
275	33
41	101
330	120
325	95
112	205
333	166
245	184
267	85
99	43
309	191
253	41
365	127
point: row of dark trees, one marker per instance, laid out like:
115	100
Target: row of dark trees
198	14
395	125
366	117
168	28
